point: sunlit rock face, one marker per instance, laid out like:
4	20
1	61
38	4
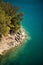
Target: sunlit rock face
13	40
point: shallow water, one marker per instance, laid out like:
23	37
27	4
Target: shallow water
31	52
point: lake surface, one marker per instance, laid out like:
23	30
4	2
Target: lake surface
31	52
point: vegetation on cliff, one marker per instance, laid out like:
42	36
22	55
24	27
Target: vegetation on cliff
9	18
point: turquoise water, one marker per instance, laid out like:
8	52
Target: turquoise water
31	52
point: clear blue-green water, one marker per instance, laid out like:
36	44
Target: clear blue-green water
31	53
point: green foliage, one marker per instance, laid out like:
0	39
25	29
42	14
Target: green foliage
4	22
9	18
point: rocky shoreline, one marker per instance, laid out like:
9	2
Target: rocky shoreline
12	41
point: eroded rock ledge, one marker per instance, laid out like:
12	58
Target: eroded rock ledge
12	40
